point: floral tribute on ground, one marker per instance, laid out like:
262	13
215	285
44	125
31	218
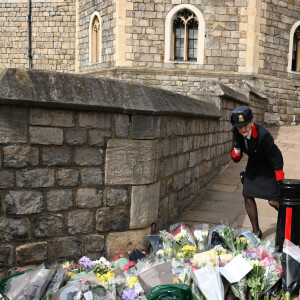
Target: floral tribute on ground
190	263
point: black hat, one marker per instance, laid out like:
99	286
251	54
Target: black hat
241	116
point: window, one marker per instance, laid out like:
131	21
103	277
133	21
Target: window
294	49
184	34
95	38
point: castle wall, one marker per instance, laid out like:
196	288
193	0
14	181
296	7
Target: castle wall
106	9
53	34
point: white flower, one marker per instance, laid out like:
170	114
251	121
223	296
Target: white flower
102	261
160	253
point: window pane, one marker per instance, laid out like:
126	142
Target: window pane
296	50
192	39
184	18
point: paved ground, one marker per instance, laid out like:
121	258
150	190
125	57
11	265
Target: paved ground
222	198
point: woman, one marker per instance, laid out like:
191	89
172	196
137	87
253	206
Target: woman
265	163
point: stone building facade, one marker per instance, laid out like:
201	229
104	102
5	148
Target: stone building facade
234	41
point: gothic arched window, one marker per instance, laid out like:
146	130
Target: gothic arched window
296	51
185	36
95	38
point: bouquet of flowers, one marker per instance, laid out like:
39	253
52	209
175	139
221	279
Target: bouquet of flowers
201	237
188	251
255	279
273	273
182	235
241	245
167	239
228	236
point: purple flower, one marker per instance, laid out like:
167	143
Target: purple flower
130	294
86	262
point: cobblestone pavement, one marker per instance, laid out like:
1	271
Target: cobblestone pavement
222	198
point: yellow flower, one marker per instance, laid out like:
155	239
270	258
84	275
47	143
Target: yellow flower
104	278
176	280
189	251
169	250
70	274
132	281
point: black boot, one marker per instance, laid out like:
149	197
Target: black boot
258	234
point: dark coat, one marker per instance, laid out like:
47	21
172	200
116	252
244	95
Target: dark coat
264	157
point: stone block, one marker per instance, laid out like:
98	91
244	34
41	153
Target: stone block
57	157
131	162
59	199
66	248
88	198
48	117
99	136
144	205
145	127
91	176
67	177
6	255
122	242
31	253
116	196
20	156
88	156
94	243
121	125
23	202
112	219
44	226
6	179
35	178
95	120
13	229
80	221
46	135
76	137
13	124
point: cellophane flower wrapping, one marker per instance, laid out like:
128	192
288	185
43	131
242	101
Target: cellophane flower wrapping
55	283
291	268
156	275
239	288
273	272
30	285
182	236
209	282
201	235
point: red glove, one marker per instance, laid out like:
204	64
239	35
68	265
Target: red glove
279	174
236	154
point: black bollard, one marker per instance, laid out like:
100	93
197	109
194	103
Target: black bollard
288	221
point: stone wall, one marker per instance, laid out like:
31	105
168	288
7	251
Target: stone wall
53	34
85	9
90	166
278	17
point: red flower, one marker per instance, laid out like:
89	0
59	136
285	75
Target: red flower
118	256
130	264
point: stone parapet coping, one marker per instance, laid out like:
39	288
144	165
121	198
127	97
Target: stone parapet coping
62	90
229	93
